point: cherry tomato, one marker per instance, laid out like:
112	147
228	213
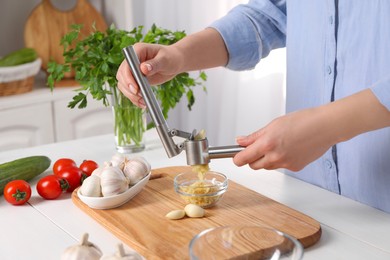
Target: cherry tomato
17	192
63	163
88	166
73	175
51	186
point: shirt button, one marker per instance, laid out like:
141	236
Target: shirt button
329	70
329	164
331	19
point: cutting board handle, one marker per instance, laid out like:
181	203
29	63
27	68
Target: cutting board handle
49	4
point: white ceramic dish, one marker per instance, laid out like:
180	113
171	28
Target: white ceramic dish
116	200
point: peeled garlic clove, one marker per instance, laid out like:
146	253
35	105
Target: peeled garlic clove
121	254
91	186
176	214
112	181
85	250
194	211
135	169
119	160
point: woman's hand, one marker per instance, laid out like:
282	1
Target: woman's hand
291	142
159	64
296	139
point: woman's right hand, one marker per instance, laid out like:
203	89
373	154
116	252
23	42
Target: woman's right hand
159	64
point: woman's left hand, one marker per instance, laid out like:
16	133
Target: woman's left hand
291	142
296	139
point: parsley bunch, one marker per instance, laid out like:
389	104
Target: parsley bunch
95	59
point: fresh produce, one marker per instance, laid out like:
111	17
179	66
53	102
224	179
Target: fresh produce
17	192
63	163
22	169
113	181
96	58
136	169
91	187
176	214
190	210
194	211
85	250
88	166
122	255
119	160
115	176
18	57
73	175
51	186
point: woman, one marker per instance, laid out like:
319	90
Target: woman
336	131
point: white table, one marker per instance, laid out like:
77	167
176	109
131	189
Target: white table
42	229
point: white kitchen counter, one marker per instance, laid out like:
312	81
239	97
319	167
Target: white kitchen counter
42	229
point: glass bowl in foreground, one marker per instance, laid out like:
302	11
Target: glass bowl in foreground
202	190
244	242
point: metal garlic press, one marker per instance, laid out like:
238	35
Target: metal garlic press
197	151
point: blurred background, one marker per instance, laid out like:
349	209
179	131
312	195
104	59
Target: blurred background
236	103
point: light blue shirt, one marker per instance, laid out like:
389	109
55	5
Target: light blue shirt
334	48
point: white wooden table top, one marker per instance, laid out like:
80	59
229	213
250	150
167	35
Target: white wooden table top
42	229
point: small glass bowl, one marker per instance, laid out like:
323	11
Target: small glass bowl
244	242
205	193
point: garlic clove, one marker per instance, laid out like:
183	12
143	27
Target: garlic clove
119	160
113	181
98	171
194	211
145	162
83	251
121	254
91	186
176	214
135	169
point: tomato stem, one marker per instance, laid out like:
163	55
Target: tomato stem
64	185
19	195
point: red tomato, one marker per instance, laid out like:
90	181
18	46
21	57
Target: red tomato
88	166
17	192
73	176
51	186
63	163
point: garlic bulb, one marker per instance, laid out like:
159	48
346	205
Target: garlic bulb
121	254
91	186
98	171
112	181
119	160
84	251
135	169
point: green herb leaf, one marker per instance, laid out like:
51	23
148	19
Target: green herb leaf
95	59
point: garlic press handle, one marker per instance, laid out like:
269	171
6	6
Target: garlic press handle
151	103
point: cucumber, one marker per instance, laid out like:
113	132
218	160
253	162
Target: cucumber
22	169
18	57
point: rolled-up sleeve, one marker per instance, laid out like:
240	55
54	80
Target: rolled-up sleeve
381	90
251	31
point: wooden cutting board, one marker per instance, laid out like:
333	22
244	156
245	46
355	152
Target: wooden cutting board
46	25
141	223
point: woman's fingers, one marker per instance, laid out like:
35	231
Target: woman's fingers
254	151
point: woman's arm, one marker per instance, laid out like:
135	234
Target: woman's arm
296	139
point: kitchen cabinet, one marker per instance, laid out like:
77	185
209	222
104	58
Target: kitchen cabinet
40	117
24	126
